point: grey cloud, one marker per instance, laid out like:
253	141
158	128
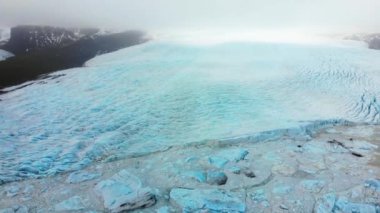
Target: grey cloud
332	15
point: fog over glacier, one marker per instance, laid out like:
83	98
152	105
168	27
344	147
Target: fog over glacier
160	15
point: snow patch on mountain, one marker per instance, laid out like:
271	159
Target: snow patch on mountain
4	55
5	34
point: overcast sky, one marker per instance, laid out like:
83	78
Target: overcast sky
323	15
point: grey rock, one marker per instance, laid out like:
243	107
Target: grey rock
343	205
81	176
216	177
325	203
373	184
249	173
123	192
213	200
71	204
282	206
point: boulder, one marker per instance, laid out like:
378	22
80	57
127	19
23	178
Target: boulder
216	177
123	192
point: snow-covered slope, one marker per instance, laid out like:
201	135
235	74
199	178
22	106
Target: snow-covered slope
5	34
4	37
159	94
4	55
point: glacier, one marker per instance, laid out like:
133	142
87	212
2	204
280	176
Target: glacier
160	94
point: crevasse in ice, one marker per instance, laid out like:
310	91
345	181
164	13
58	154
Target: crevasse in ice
158	94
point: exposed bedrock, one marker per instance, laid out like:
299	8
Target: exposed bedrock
285	175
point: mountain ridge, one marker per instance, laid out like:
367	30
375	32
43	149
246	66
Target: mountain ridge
373	39
41	50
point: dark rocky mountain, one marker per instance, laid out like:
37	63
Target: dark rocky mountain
25	39
374	43
40	50
373	40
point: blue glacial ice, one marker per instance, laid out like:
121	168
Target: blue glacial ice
149	97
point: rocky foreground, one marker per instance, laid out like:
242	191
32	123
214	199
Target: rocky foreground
336	171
